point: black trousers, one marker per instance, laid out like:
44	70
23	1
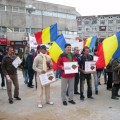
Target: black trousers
3	79
31	75
109	82
89	85
76	81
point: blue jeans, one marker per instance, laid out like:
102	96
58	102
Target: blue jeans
105	75
31	76
95	81
99	75
2	76
58	73
25	75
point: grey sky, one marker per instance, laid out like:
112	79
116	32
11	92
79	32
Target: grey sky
91	7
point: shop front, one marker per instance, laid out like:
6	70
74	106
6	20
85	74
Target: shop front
19	47
4	42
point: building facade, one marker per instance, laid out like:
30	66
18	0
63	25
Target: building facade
17	20
102	25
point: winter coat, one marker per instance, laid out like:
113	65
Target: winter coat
64	58
116	70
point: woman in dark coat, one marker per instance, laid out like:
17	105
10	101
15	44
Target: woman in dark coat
116	78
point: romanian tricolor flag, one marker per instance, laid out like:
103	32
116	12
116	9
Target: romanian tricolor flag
57	49
110	48
47	35
90	42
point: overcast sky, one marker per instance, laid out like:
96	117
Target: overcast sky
91	7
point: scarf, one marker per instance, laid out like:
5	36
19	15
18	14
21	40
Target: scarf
44	61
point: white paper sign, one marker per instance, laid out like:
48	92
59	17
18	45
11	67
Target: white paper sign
16	62
70	67
47	78
90	66
95	58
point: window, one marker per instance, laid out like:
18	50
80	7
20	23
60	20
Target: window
102	22
55	14
16	29
75	33
118	28
79	28
2	7
87	29
37	12
15	9
61	15
22	10
47	13
9	8
71	16
9	29
110	33
22	29
28	30
94	21
86	22
94	29
3	29
110	28
118	21
33	30
110	21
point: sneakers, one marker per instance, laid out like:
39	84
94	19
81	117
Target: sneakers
99	83
11	101
3	88
50	103
96	92
31	86
91	97
17	98
115	98
64	103
82	98
77	93
40	106
72	102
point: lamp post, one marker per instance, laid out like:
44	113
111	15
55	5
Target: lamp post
30	9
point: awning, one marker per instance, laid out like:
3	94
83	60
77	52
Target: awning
4	41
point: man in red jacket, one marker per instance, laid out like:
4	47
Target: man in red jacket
67	80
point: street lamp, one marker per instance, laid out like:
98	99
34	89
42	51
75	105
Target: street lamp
30	9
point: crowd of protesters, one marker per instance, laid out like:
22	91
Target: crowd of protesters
38	62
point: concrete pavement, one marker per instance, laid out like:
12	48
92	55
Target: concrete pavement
100	108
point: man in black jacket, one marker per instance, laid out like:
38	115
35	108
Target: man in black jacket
83	75
29	64
77	75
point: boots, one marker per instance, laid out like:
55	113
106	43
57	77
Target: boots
114	89
116	94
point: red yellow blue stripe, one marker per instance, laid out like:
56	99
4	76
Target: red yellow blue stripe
47	35
109	49
57	48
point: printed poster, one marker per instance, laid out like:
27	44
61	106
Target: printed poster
16	62
70	67
47	78
90	66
